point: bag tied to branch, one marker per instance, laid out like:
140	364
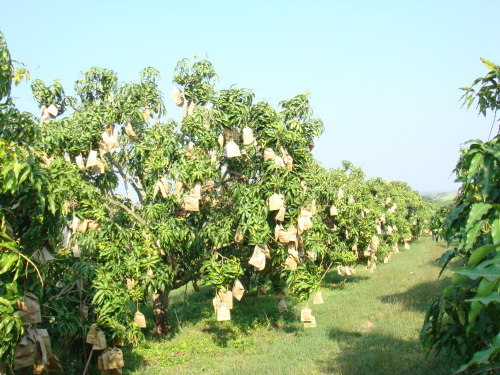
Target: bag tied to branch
226	298
191	203
30	309
97	338
238	290
140	319
130	131
248	136
276	201
258	259
282	306
318	298
232	149
269	154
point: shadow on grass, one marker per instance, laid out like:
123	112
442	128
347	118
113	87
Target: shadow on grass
247	315
333	280
374	353
134	361
419	296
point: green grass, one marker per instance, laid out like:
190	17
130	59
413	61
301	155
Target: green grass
369	324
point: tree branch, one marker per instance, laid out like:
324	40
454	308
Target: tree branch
125	208
126	177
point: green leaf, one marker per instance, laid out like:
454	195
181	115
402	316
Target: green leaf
484	355
6	262
477	211
473	233
474	166
495	231
493	297
479	254
490	65
491	273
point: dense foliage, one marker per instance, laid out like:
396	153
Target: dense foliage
464	321
106	207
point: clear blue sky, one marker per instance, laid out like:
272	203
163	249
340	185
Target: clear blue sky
383	75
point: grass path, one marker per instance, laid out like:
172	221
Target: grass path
369	324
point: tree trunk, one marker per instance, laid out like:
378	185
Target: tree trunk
161	313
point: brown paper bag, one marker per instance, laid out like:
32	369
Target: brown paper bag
276	201
226	298
115	357
348	270
238	236
280	216
178	187
238	290
146	114
100	342
306	315
258	259
351	200
334	211
223	313
304	221
83	226
312	207
97	338
43	255
386	260
232	150
287	236
110	140
178	97
220	140
197	190
45	114
79	162
282	306
52	110
30	309
395	248
318	298
76	250
92	334
340	194
287	159
407	246
247	136
191	203
279	162
140	319
92	159
130	131
157	188
25	353
341	270
44	348
261	291
190	108
83	311
291	262
269	154
92	225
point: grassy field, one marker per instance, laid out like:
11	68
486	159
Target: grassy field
369	324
